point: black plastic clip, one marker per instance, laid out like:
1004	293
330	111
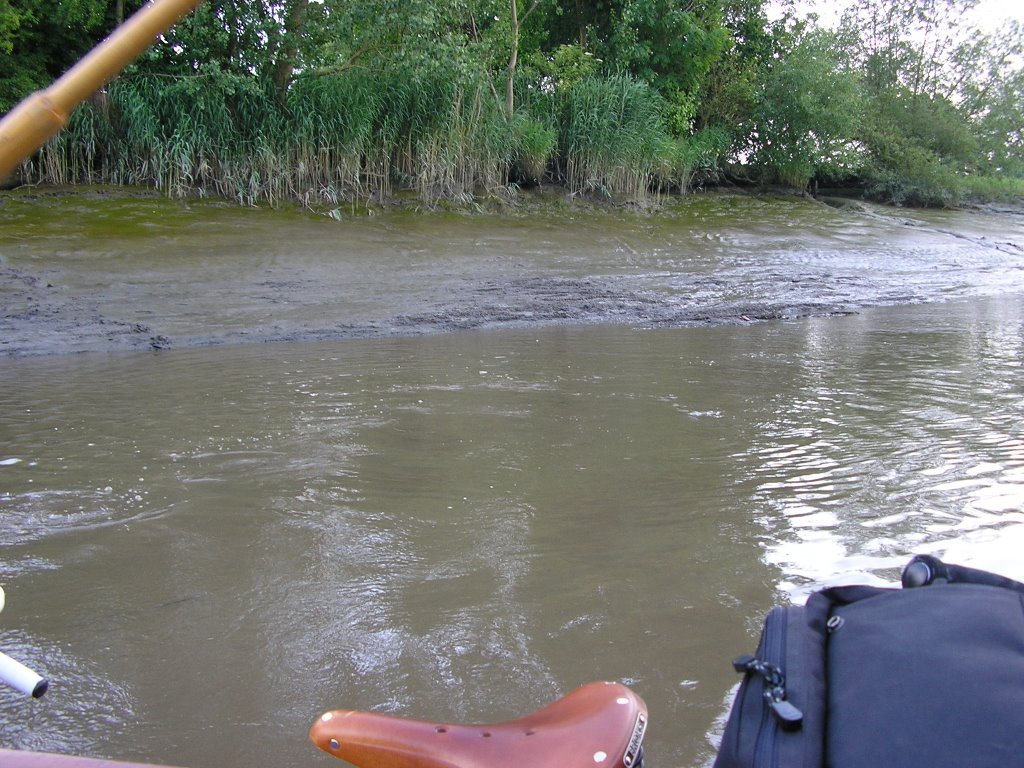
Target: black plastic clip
788	716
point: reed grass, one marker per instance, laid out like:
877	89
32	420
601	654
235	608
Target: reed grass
362	136
686	162
535	145
613	136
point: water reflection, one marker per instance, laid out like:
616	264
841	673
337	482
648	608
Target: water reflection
204	549
896	441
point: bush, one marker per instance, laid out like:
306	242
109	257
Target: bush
692	160
535	145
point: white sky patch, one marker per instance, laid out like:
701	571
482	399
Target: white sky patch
989	15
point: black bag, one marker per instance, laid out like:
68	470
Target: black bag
931	675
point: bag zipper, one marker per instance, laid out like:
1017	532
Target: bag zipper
778	713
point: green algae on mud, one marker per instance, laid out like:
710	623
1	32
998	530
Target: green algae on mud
103	269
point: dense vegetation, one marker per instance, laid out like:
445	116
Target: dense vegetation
328	100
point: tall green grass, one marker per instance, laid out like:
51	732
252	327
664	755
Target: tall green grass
993	189
362	136
346	137
613	137
535	144
692	160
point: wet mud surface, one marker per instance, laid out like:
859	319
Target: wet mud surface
82	270
553	300
40	318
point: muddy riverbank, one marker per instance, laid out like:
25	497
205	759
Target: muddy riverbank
106	270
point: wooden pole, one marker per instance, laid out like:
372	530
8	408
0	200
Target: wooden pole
27	127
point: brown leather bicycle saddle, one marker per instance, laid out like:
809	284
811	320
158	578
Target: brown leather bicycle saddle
600	725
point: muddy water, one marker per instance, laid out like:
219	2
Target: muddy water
204	548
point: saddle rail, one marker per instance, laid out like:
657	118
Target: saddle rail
600	725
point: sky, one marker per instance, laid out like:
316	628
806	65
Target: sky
989	15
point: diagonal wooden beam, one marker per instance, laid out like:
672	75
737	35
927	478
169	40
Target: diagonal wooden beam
27	127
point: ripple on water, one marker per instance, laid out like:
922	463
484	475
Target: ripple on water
33	515
602	502
79	712
917	449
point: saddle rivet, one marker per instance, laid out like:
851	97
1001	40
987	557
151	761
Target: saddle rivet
600	757
334	744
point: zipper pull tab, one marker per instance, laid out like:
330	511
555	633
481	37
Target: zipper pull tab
743	663
788	716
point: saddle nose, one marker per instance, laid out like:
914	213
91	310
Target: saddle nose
600	725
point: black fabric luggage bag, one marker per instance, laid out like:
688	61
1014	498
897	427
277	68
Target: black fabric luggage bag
929	676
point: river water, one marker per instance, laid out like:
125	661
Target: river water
205	547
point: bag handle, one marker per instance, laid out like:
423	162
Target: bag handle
923	570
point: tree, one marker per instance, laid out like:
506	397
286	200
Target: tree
10	20
729	96
910	44
673	45
515	20
238	37
284	63
993	98
807	113
41	39
931	85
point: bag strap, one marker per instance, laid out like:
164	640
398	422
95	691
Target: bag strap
923	570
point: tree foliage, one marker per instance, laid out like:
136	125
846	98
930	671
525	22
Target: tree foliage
902	98
935	90
42	39
806	110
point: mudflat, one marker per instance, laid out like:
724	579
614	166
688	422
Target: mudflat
105	269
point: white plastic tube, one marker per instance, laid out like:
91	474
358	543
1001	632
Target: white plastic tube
21	678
